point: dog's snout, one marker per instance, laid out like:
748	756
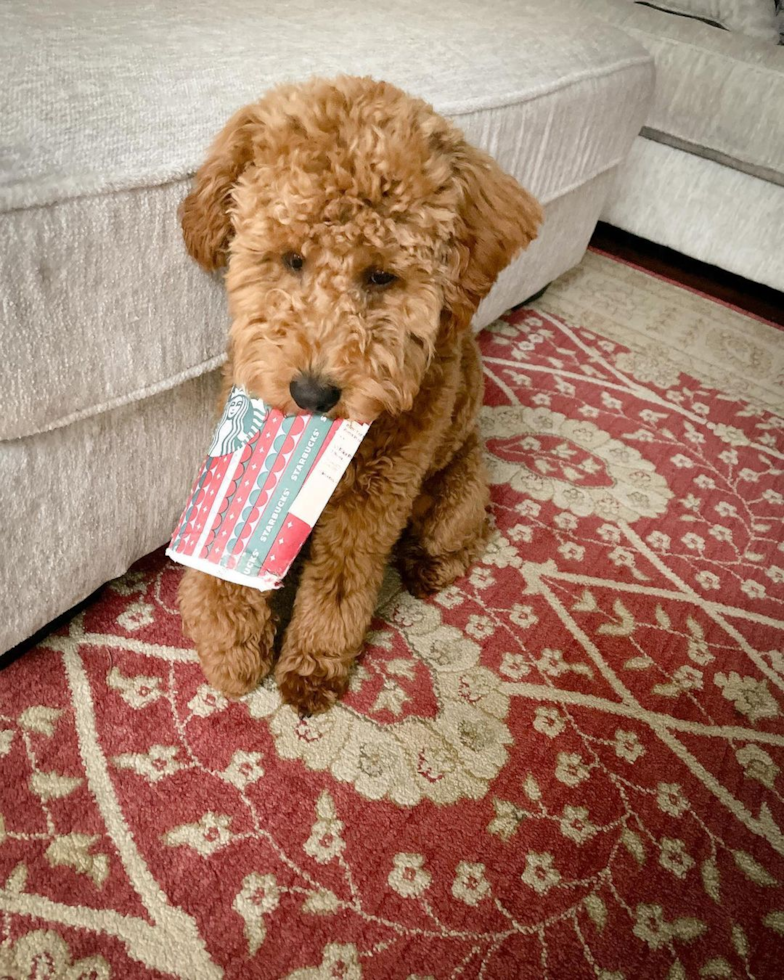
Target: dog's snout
314	394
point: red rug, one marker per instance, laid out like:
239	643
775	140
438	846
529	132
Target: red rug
567	765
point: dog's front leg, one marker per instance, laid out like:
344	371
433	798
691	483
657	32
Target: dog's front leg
338	591
233	628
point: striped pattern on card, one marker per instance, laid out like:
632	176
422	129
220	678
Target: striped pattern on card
266	479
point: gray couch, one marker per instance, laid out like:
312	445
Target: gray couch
706	176
111	337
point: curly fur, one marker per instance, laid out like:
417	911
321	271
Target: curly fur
353	175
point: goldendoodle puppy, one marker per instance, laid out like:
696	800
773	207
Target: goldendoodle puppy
360	232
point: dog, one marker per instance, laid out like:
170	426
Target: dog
360	231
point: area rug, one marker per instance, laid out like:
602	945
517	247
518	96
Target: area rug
567	765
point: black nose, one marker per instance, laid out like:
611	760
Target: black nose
314	394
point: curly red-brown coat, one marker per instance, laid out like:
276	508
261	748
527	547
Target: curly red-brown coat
305	195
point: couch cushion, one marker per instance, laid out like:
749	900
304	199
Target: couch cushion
719	95
696	206
755	18
110	113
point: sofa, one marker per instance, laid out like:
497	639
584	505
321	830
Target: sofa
112	338
706	175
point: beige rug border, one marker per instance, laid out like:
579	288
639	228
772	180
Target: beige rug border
674	328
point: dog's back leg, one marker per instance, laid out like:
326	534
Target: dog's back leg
449	524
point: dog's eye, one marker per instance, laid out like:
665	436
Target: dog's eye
378	278
293	261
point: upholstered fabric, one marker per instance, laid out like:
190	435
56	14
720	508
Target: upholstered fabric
755	18
701	208
83	502
100	98
104	305
719	95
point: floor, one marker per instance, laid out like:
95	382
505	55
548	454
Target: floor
761	301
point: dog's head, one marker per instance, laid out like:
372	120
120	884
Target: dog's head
360	230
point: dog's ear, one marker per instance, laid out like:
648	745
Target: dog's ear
204	214
498	218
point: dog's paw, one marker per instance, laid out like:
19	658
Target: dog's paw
424	575
237	670
310	693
